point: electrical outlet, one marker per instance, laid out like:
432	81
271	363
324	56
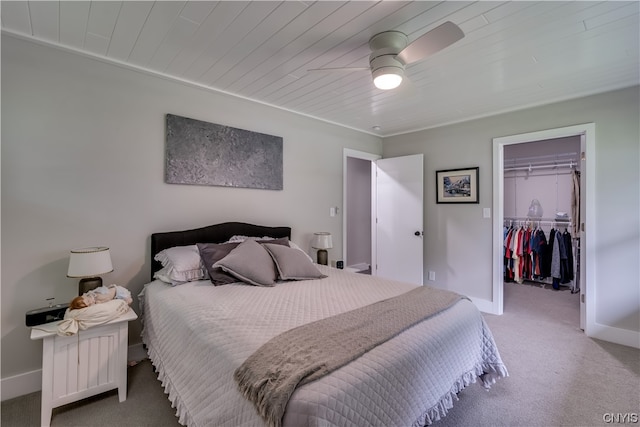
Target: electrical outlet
432	276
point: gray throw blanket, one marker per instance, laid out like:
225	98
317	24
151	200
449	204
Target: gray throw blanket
296	357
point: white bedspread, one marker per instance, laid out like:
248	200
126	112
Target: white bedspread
198	334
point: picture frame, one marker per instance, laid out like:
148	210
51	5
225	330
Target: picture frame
457	186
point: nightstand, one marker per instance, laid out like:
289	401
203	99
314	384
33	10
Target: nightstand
82	365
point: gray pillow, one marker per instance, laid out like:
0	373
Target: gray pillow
212	253
292	264
251	263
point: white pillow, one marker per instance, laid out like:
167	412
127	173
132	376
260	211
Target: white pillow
180	264
164	275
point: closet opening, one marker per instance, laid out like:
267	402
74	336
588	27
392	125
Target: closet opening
541	218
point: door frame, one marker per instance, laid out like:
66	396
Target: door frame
587	242
348	152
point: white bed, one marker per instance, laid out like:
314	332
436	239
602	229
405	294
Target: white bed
198	334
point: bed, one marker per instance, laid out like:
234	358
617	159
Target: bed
198	335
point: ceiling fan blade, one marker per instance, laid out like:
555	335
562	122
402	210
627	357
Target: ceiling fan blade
431	42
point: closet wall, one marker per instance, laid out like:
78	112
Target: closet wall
540	170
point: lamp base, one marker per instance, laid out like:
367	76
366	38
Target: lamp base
322	256
89	283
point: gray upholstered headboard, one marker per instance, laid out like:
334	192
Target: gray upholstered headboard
211	234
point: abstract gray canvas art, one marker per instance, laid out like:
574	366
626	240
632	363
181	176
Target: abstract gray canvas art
205	153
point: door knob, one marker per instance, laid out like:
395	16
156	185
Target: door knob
417	233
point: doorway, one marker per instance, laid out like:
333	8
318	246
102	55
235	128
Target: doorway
586	133
358	243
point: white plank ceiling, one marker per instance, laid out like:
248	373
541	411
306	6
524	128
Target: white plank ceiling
514	54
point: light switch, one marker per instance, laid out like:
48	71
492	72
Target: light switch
333	211
486	212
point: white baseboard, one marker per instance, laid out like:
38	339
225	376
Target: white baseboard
483	305
30	382
21	384
615	335
598	331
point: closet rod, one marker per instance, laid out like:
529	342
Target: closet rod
528	218
549	166
539	221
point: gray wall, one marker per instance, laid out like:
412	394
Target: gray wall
458	240
83	145
359	211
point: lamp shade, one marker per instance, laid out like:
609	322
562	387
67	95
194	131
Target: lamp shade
321	240
89	262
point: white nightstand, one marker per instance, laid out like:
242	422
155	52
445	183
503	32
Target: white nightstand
83	365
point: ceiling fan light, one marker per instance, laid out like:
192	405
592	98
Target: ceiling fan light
388	77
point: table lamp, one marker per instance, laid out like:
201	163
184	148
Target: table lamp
88	264
322	241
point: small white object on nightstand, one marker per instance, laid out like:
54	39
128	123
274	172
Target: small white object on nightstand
78	366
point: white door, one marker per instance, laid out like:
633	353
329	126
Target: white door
581	271
399	206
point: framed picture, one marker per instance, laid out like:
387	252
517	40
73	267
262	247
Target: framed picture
457	186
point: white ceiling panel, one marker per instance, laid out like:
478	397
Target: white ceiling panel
132	18
73	23
15	17
44	19
155	28
222	15
102	20
515	54
181	31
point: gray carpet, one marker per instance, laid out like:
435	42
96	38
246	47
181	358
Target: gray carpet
146	405
558	377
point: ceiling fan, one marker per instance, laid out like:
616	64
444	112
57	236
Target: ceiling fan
391	52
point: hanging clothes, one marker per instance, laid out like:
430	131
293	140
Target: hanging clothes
528	255
555	259
507	268
542	266
562	259
575	203
567	262
516	254
549	255
523	248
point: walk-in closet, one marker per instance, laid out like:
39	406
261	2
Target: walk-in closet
542	214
